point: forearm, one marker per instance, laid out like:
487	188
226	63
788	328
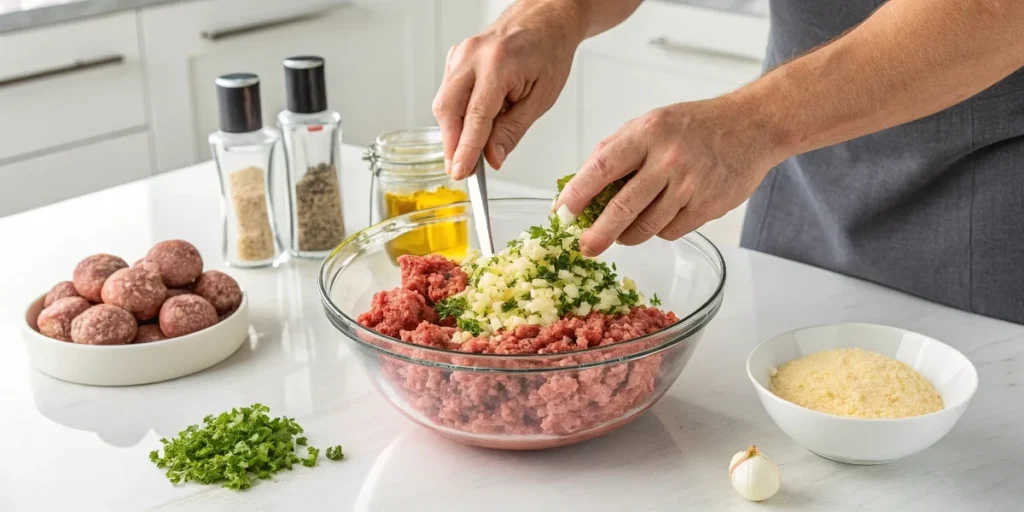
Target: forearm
582	18
908	60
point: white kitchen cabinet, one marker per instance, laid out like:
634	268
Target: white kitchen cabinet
379	54
72	111
60	175
68	83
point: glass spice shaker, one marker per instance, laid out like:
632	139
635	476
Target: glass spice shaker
312	142
243	151
408	175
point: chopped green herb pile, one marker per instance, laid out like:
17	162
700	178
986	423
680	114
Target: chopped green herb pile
593	210
234	447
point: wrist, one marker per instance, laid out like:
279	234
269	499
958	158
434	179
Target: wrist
572	18
768	112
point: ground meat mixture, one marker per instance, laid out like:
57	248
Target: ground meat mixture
185	314
177	261
555	402
219	289
55	320
92	272
61	290
434	277
148	333
396	311
103	324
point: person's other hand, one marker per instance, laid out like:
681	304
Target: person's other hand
497	83
695	162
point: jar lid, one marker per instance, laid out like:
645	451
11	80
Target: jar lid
238	102
414	147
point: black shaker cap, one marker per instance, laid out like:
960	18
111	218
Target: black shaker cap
238	99
305	85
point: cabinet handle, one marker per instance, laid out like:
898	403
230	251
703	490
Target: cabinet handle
669	45
228	33
74	67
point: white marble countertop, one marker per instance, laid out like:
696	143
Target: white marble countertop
71	447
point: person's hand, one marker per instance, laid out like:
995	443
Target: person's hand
695	162
497	83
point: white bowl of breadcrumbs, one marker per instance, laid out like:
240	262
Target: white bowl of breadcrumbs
862	393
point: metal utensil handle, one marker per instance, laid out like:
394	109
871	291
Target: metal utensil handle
75	67
481	211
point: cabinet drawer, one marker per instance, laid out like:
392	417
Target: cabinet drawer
65	174
69	82
689	40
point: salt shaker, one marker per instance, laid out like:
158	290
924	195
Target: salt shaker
243	151
312	140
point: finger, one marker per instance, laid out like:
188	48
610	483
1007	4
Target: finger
623	209
449	108
685	222
509	128
448	60
483	107
614	157
652	220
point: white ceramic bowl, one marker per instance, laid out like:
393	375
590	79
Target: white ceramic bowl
128	365
857	440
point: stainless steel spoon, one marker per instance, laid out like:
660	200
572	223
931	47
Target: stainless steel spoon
478	202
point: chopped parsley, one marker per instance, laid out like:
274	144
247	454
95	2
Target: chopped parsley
311	457
655	301
451	307
593	210
234	447
470	325
335	453
509	305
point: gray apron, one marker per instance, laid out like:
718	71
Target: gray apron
934	208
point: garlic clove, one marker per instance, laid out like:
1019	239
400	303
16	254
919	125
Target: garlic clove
753	475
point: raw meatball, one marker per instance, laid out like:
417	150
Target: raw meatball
136	290
174	292
104	324
59	291
186	314
178	262
219	289
148	333
55	320
147	264
92	272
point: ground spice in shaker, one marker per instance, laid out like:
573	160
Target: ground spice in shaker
249	196
321	225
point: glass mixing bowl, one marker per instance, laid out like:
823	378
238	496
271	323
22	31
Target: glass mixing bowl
524	402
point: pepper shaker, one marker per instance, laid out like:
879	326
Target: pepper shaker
243	151
312	142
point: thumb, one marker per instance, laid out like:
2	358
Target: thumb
509	128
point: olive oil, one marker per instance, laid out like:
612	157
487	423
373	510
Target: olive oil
450	239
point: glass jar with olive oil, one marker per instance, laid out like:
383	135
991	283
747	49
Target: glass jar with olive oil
408	175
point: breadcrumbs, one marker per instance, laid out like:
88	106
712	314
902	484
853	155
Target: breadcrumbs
856	383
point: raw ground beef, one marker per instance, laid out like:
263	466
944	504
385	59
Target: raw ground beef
434	277
553	402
